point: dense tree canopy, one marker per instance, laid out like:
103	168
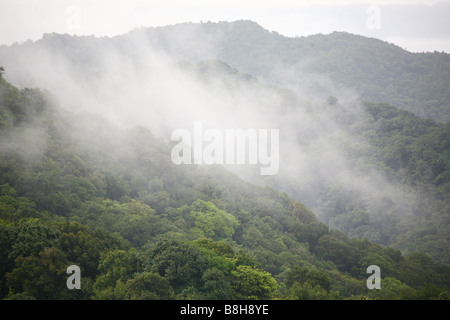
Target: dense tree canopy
140	227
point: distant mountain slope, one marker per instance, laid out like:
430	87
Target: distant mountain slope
376	70
368	169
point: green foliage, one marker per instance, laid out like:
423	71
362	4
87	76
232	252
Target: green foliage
306	291
39	276
182	264
222	249
373	258
216	285
251	283
211	221
135	220
393	289
115	266
302	275
33	236
343	255
142	228
148	286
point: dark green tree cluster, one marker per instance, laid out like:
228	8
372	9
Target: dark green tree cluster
37	252
415	149
412	153
176	269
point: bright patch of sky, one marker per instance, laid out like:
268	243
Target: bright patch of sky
415	25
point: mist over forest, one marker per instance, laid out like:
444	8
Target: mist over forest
363	179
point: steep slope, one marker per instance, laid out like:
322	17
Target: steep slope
375	70
331	152
75	189
369	170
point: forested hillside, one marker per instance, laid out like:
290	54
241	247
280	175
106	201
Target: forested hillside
86	176
315	65
76	189
377	171
374	69
368	169
413	154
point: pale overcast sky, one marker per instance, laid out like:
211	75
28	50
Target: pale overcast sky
420	25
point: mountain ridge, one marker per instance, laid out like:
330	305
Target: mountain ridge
374	69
